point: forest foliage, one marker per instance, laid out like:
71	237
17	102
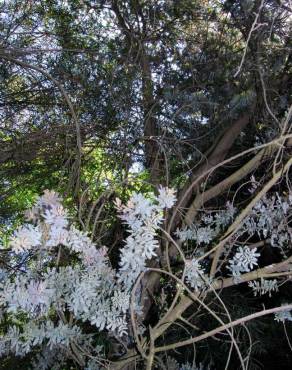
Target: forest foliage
145	158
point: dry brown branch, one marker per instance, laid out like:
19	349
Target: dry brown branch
236	224
219	188
210	333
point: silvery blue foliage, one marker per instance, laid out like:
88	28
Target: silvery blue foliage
269	220
25	238
186	234
44	292
166	197
33	334
90	289
143	218
200	235
25	294
194	274
92	365
264	286
212	224
283	316
48	359
243	261
11	341
172	364
61	334
189	366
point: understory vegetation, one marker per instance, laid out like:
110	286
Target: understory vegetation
146	189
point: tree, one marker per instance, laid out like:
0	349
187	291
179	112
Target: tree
191	95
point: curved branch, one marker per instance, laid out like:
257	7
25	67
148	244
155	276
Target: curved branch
226	183
224	327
